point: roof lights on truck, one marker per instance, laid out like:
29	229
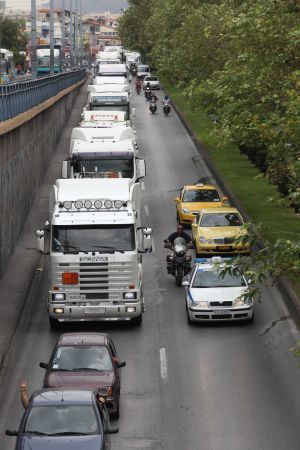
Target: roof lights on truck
94	204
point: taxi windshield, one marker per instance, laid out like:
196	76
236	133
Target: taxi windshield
213	279
221	220
201	195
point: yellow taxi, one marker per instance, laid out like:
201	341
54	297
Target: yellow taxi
216	230
195	197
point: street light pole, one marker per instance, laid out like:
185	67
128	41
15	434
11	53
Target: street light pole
63	35
71	35
51	37
76	33
80	34
33	39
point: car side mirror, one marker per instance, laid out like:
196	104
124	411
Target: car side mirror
177	199
185	283
11	432
225	199
44	365
121	364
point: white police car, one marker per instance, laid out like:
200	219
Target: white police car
210	296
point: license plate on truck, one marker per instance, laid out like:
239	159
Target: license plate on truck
95	310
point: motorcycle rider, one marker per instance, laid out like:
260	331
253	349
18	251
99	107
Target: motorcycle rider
148	92
170	240
138	85
179	233
166	101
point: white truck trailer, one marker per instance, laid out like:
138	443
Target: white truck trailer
95	242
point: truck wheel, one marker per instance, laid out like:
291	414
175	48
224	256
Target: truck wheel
137	321
54	323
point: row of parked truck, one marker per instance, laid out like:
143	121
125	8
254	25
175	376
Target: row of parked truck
94	233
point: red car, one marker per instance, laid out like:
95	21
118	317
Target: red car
86	360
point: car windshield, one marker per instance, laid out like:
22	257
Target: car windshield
62	420
88	238
78	357
151	79
213	279
201	195
221	220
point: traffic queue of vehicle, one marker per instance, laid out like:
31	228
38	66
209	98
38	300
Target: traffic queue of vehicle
95	240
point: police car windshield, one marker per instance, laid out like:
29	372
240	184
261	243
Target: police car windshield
211	278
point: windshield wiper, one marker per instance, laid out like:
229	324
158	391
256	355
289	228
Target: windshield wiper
38	433
88	368
107	247
69	433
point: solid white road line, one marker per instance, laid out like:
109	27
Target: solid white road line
146	210
153	246
163	364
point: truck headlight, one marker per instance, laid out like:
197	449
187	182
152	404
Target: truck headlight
59	297
131	309
129	295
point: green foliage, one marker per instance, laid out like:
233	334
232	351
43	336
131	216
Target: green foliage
12	36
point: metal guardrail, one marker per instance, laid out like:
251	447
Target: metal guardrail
16	98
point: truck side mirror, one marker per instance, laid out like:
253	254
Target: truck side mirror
141	166
40	234
65	169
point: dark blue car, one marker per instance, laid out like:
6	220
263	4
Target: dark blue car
64	419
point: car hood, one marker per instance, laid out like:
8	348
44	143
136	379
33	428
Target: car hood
219	232
216	294
61	443
197	206
83	379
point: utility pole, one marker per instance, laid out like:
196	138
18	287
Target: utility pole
80	34
33	39
71	35
76	33
63	35
51	37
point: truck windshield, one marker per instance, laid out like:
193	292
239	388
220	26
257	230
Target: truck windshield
103	168
93	238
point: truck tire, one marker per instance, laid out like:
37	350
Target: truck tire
137	321
54	323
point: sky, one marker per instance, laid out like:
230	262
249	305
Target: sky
22	4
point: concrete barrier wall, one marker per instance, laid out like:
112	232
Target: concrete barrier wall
25	153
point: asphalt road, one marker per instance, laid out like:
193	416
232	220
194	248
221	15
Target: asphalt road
212	387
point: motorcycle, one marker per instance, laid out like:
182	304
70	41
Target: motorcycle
148	94
166	109
138	89
178	259
153	106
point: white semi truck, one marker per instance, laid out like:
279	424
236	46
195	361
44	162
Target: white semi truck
104	153
95	242
110	101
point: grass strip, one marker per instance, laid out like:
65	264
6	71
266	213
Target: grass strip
250	188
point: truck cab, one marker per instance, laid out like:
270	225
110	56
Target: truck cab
95	242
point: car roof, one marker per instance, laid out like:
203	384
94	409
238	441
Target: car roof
199	186
220	210
67	396
83	339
